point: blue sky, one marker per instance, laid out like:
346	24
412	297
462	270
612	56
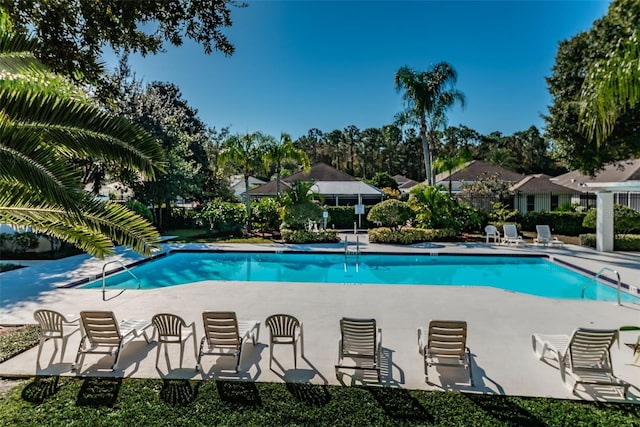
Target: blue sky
329	64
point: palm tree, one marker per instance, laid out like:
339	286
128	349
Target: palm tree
610	88
428	94
278	153
451	162
46	124
246	152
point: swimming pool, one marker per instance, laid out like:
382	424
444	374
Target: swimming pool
529	275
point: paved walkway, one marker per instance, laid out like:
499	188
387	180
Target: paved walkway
500	323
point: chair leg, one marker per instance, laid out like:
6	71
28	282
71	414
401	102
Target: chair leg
295	358
271	344
76	366
115	363
42	340
182	343
198	367
158	353
63	348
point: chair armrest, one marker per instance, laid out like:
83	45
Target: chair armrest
422	336
71	319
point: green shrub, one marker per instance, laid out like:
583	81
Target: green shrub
139	208
265	214
406	236
625	219
223	218
561	222
390	213
345	216
628	242
303	236
18	242
298	216
184	218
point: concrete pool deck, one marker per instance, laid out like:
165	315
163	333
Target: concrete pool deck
499	334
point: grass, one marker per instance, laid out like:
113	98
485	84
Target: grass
57	401
201	236
70	401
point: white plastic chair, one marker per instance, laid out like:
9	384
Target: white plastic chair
492	233
285	329
54	326
172	329
545	238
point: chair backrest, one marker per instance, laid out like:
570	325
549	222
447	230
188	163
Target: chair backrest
101	327
358	337
282	325
221	328
447	338
491	230
544	232
590	348
168	325
510	231
50	322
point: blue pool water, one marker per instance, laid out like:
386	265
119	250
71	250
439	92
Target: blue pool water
535	276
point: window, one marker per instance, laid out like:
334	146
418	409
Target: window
554	202
531	203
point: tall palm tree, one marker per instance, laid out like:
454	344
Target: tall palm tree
428	95
278	153
45	124
247	153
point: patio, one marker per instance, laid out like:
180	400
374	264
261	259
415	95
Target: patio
500	323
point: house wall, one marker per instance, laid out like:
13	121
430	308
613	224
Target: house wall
542	201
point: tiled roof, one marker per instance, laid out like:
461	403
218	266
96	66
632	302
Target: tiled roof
622	171
539	183
476	169
320	172
269	189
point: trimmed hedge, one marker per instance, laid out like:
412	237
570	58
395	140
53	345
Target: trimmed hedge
303	236
627	242
345	216
406	236
565	223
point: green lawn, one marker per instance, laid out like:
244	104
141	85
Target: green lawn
57	401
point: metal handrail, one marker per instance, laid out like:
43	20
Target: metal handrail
598	274
124	267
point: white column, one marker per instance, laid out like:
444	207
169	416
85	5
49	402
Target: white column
604	222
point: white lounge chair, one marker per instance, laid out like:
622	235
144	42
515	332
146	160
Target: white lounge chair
511	235
54	326
361	342
102	334
224	335
585	355
492	233
545	238
445	343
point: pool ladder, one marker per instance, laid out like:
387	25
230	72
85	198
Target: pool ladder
348	251
104	276
598	274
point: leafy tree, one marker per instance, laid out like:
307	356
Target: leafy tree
576	58
390	213
278	153
45	123
223	217
612	84
265	214
163	112
384	180
246	152
481	193
428	95
73	33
